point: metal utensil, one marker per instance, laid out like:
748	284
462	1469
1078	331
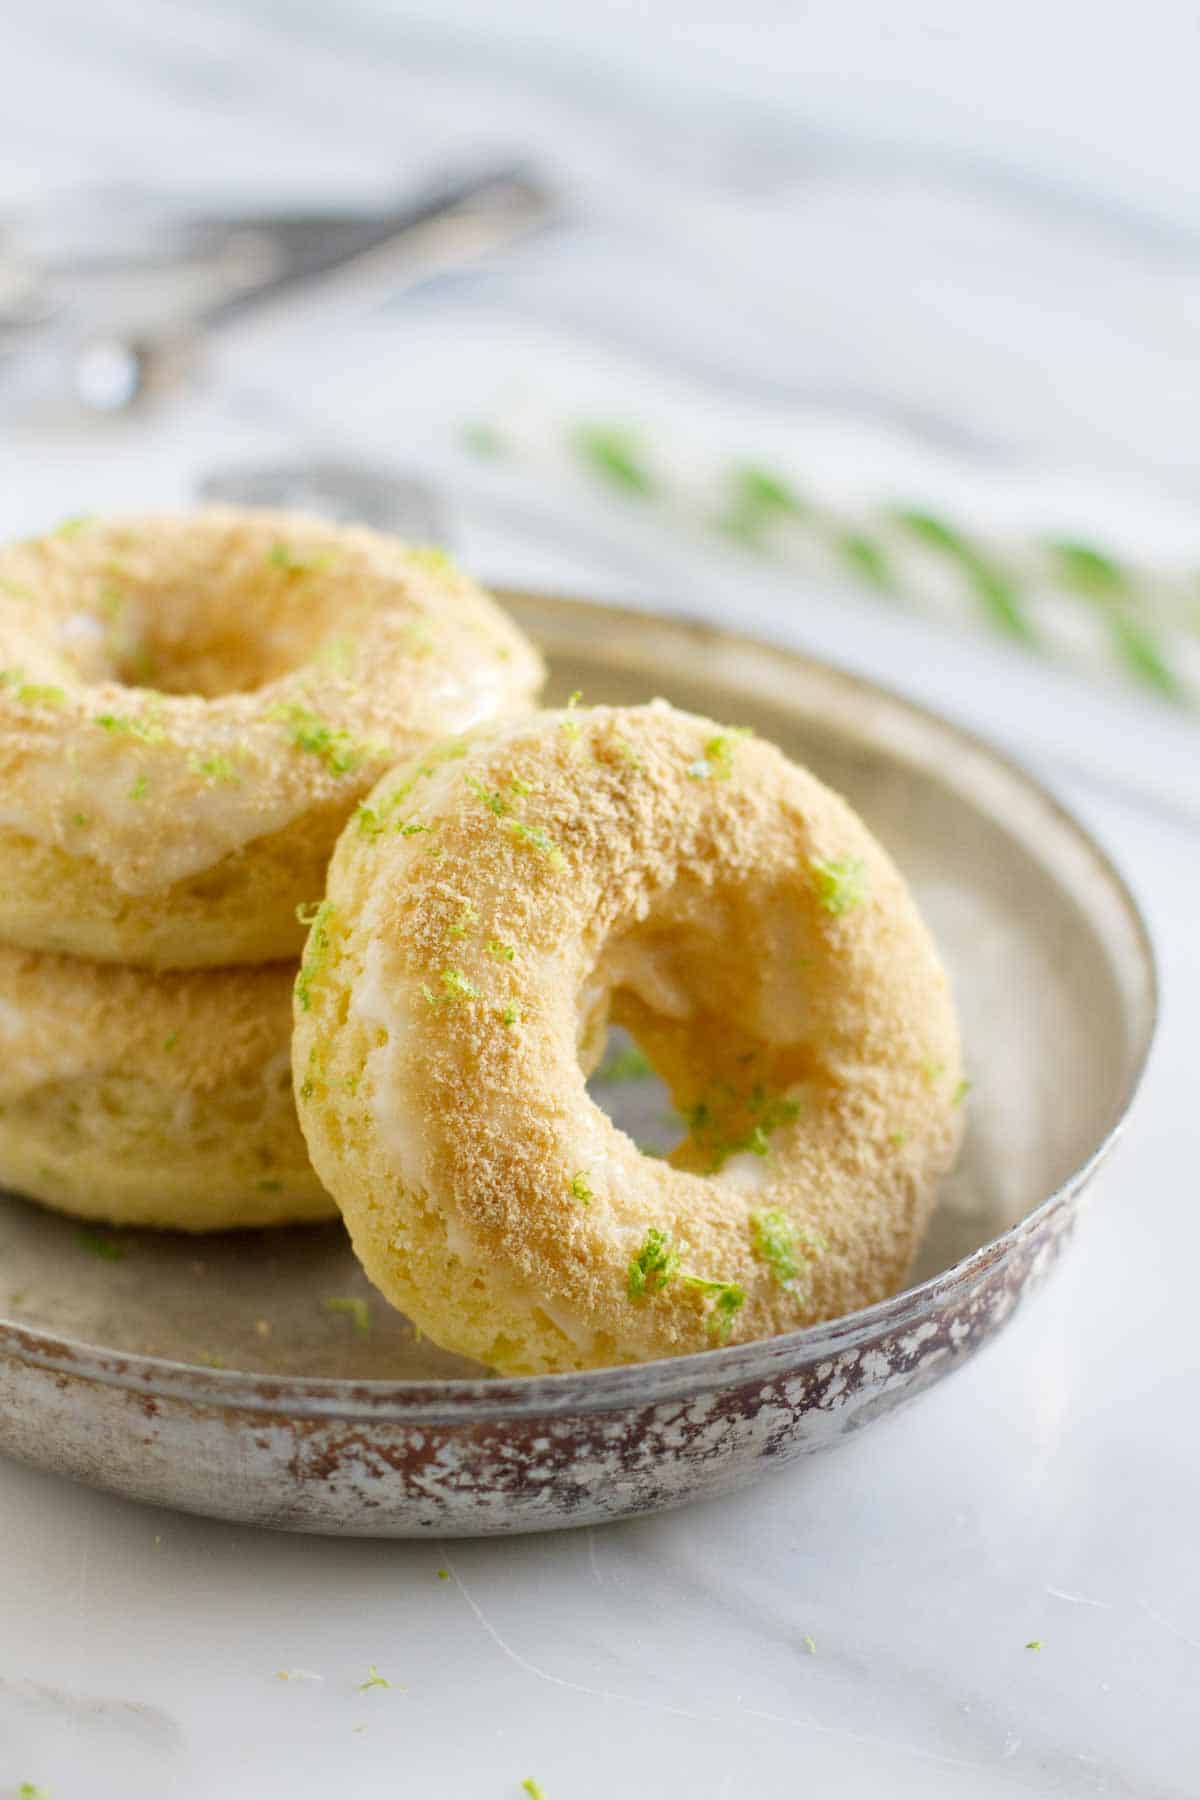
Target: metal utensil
267	260
105	1366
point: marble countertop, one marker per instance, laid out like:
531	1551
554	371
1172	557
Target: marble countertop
859	1625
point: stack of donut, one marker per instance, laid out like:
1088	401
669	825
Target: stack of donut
194	712
190	708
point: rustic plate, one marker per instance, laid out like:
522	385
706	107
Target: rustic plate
207	1373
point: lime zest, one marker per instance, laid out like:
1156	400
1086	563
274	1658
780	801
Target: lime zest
353	1306
840	883
501	952
120	724
538	840
466	918
216	768
106	1249
281	556
31	693
653	1266
308	731
455	989
581	1188
728	1299
315	951
374	1680
511	1015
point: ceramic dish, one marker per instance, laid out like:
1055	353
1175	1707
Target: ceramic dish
214	1375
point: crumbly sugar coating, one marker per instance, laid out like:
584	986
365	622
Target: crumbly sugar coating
490	910
152	1099
190	706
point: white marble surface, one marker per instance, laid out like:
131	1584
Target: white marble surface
1025	224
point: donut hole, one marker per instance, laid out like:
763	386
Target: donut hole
231	618
709	1056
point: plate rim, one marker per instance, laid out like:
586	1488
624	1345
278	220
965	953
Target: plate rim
456	1399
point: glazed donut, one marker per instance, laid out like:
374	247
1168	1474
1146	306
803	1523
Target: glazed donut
660	871
143	1099
190	706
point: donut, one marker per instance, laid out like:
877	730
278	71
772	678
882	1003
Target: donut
142	1099
190	706
488	918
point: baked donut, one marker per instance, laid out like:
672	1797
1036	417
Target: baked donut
143	1099
487	917
190	706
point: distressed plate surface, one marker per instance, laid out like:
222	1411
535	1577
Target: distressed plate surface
107	1368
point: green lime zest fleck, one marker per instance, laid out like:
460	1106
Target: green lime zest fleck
520	787
744	1123
215	768
1034	1644
932	1071
308	731
627	753
773	1236
170	1041
72	527
511	1015
961	1092
120	724
466	918
79	819
29	1790
107	1249
491	797
432	556
627	1063
581	1188
501	952
356	1309
840	882
315	950
716	764
533	1789
455	988
281	556
614	455
728	1299
140	788
374	1680
443	1574
653	1266
538	840
31	693
899	1138
810	1644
